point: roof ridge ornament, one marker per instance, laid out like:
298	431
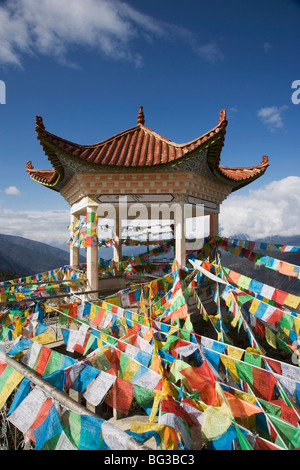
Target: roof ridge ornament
141	117
222	116
39	122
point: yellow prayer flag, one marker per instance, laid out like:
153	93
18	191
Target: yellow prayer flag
158	395
237	250
236	319
104	337
229	364
169	389
15	335
234	352
270	338
13	380
20	296
19	327
220	336
44	338
253	351
229	299
292	300
254	306
114	300
130	370
48	308
93	311
135	317
245	396
297	325
144	427
216	421
214	318
172	330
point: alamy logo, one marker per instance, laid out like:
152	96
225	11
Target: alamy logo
2	92
296	94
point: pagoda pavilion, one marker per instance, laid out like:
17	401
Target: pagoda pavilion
143	166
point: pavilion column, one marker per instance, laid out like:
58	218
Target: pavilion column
74	250
179	234
92	248
117	253
214	224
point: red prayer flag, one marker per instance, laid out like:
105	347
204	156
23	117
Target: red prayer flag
170	406
263	383
279	296
287	413
42	360
120	396
203	379
41	416
262	444
275	365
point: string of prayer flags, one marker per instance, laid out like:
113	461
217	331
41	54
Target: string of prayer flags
281	266
153	355
272	294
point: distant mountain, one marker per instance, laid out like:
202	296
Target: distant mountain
240	236
293	240
24	256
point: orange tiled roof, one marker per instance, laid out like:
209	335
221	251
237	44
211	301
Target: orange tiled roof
138	148
242	173
43	176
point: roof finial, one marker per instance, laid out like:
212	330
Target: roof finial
222	116
39	122
141	117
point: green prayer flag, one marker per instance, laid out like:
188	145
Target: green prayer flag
287	321
244	443
271	408
244	281
170	339
188	325
289	433
142	394
63	319
244	372
254	359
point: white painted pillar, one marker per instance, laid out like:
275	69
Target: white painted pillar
92	248
74	250
179	234
117	251
214	224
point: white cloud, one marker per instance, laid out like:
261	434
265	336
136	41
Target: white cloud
56	27
44	226
267	46
272	210
12	190
272	116
210	52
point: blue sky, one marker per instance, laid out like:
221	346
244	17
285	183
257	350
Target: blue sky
87	65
